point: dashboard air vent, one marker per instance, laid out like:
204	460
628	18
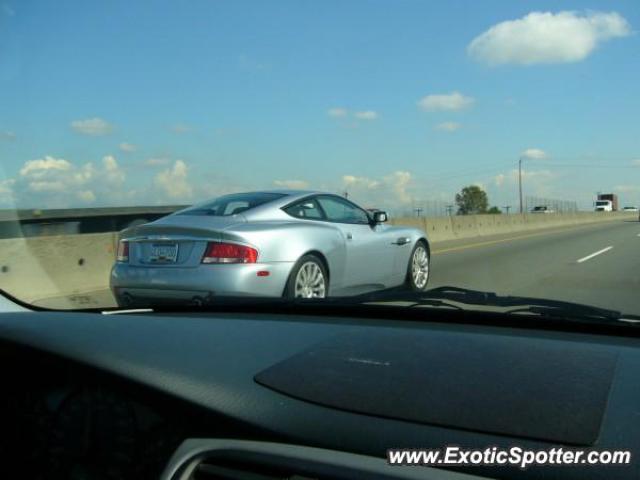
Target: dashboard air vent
230	459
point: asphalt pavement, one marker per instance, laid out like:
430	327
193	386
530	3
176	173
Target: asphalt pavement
595	264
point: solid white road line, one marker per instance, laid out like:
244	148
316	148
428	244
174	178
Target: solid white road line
588	257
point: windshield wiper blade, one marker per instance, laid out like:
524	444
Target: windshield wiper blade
529	304
513	304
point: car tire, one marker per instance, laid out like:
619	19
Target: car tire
308	279
418	281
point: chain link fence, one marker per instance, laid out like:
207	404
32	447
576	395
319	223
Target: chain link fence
560	206
441	208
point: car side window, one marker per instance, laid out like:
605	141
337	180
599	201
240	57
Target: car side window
307	209
234	208
342	211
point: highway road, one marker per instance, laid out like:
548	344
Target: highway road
597	264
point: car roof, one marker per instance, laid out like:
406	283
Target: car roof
291	195
293	192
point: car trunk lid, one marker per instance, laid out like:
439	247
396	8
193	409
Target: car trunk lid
177	240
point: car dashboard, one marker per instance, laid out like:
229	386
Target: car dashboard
275	395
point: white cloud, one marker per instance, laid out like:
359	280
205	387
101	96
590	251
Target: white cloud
359	182
51	186
448	126
86	196
173	182
38	168
545	37
127	147
293	184
56	182
8	136
84	174
181	128
156	162
6	191
113	173
366	115
636	162
337	112
627	188
399	182
534	154
511	178
92	126
392	189
445	101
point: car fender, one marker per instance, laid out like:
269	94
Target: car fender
288	241
403	252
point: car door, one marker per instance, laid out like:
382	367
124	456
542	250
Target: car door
369	257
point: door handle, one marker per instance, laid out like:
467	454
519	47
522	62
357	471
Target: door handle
402	241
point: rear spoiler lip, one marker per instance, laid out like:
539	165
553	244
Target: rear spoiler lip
168	232
191	236
164	237
154	230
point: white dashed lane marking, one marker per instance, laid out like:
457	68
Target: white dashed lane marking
595	254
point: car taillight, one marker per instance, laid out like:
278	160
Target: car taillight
229	253
123	251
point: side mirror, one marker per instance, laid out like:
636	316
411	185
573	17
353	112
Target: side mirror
380	217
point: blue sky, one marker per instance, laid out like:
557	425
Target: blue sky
110	103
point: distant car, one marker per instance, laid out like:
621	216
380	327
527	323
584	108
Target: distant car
630	209
541	209
278	243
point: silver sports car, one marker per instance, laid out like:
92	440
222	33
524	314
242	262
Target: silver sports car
273	243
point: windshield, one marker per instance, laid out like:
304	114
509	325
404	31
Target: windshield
180	152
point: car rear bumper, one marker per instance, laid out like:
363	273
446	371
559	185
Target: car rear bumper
136	284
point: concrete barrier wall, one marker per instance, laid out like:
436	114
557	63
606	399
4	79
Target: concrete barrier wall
44	267
471	226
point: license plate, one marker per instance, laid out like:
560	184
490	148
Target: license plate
165	253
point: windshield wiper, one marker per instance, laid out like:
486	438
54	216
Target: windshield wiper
510	304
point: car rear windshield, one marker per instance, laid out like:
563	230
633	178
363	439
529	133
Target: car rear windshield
231	204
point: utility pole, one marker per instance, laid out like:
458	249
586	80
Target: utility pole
418	211
520	180
507	208
449	209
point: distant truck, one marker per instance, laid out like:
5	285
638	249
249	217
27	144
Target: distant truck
607	202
